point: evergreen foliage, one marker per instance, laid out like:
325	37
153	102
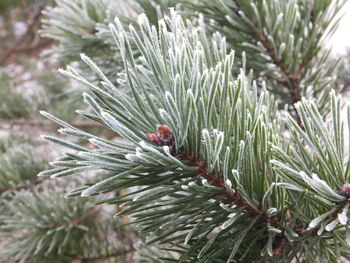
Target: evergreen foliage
207	159
91	35
283	41
41	226
36	223
19	164
15	105
215	133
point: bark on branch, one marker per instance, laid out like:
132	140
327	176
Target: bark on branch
77	220
18	46
292	79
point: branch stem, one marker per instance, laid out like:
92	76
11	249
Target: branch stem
254	211
26	185
292	80
77	220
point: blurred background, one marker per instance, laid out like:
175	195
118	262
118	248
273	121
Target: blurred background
340	41
30	205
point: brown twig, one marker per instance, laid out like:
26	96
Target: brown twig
18	44
34	46
77	220
24	5
292	81
254	211
164	136
26	185
216	180
302	232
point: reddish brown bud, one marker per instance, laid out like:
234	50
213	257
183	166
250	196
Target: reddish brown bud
154	138
92	31
164	134
344	190
163	137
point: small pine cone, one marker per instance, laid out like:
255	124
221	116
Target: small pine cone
165	134
344	190
153	138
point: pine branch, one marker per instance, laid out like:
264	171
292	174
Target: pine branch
77	220
216	180
292	79
17	46
39	213
165	137
34	46
217	129
282	40
28	184
303	233
255	211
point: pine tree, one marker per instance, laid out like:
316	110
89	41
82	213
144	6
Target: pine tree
233	141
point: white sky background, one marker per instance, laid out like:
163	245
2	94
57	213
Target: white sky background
341	38
338	43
